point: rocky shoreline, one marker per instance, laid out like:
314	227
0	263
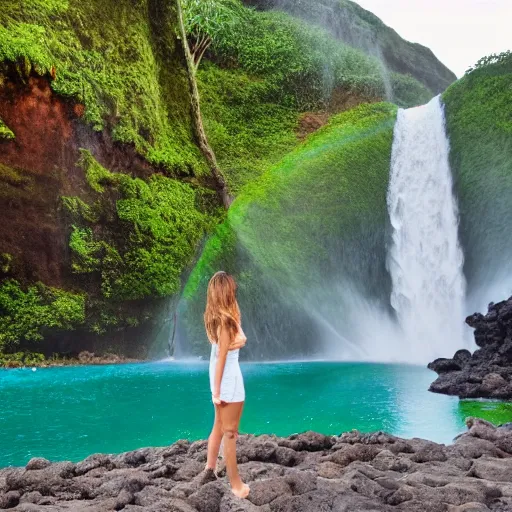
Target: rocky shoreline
307	472
487	373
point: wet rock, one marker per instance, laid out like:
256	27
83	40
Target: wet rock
94	461
308	441
487	373
135	458
443	365
9	499
491	469
430	452
188	470
330	470
124	498
230	503
208	497
287	456
32	497
401	495
301	482
37	463
468	507
387	461
152	495
252	448
266	491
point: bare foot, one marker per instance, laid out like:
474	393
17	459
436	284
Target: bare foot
241	492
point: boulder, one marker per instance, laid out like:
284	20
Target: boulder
487	373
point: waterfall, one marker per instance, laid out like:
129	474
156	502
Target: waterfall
425	259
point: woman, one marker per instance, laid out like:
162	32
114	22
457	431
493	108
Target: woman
222	323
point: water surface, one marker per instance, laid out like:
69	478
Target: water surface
69	413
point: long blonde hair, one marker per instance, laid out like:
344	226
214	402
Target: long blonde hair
221	306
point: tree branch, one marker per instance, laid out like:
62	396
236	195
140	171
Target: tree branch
200	51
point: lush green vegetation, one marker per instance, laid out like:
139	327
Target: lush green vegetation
132	238
21	359
265	71
135	241
25	313
305	62
247	128
102	54
208	21
479	123
301	224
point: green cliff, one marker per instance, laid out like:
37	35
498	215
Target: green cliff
273	78
104	193
361	29
479	124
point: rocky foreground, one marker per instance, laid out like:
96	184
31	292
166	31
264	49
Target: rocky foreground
303	473
487	373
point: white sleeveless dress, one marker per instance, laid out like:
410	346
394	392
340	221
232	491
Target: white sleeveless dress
232	384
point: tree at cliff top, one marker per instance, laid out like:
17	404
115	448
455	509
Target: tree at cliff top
206	20
201	23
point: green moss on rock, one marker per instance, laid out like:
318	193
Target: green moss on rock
96	175
15	184
136	240
121	60
26	313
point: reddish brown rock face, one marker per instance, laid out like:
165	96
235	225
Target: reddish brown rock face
38	167
42	125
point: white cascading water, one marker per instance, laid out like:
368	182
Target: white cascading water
425	259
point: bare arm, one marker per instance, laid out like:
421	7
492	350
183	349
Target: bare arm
224	341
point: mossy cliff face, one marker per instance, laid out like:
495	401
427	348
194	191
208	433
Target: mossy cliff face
311	229
274	78
479	124
360	28
105	194
103	191
106	198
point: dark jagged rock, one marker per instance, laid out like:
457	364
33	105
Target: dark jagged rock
352	472
487	373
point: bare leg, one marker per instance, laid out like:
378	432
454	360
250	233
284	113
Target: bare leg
230	418
214	442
